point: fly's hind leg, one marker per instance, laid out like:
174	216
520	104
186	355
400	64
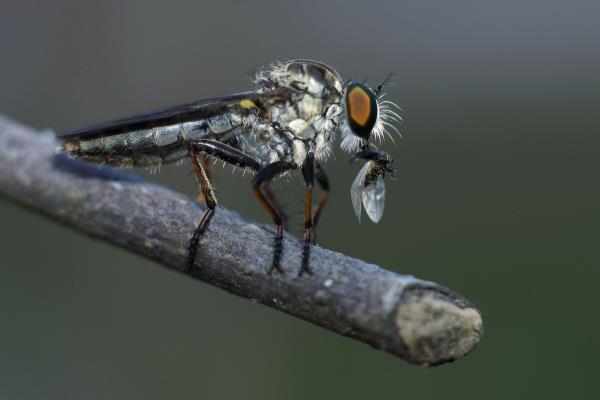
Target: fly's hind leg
260	184
206	164
211	203
226	153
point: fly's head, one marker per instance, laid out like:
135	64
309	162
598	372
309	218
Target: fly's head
368	117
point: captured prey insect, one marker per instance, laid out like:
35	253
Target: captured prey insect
287	123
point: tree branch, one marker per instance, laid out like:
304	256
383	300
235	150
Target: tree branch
417	320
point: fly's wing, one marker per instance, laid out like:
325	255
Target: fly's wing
183	113
370	194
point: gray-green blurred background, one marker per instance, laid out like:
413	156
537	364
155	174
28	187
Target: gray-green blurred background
497	197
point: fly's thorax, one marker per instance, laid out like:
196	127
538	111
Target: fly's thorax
266	147
303	114
311	77
284	144
314	87
258	138
281	151
312	113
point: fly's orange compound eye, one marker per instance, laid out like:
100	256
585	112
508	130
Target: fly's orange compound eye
361	109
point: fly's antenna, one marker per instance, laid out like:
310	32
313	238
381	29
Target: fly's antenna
389	79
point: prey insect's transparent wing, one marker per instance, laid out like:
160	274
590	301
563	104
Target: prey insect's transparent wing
368	190
357	189
374	199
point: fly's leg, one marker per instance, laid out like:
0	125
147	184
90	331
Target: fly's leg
211	204
208	170
324	184
308	172
260	183
227	154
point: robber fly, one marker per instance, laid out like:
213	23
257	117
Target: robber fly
287	123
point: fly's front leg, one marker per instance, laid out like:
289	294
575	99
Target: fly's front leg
223	152
308	172
260	183
324	184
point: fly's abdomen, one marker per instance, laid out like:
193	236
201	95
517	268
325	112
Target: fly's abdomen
147	147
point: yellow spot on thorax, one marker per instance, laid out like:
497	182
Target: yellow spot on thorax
247	103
